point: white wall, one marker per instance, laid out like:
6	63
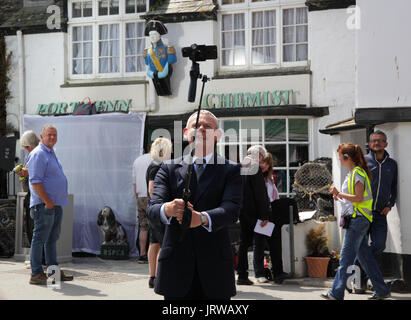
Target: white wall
384	80
399	219
46	64
331	50
383	54
44	68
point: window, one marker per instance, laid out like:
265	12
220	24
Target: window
135	44
295	34
255	34
263	32
82	9
106	38
82	50
108	7
233	34
287	139
109	48
134	6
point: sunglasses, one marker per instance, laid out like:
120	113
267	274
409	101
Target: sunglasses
377	141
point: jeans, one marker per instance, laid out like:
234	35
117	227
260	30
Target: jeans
356	244
378	235
47	226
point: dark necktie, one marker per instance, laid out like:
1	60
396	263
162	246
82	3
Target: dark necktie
199	167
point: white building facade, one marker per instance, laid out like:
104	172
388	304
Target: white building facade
382	93
286	68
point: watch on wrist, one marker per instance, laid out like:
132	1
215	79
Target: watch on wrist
203	218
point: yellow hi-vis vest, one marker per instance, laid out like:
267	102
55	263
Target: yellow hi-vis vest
364	207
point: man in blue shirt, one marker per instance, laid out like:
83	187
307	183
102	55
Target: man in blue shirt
48	187
384	190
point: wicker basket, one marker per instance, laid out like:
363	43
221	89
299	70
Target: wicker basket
317	266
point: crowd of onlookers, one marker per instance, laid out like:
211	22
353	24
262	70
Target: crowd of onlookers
366	196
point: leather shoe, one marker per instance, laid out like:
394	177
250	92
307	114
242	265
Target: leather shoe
244	282
151	282
39	279
63	276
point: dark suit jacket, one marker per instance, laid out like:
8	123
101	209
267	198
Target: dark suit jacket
218	193
256	204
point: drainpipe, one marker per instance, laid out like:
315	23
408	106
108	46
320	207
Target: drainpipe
22	89
369	129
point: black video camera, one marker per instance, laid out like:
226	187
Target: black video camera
197	53
200	52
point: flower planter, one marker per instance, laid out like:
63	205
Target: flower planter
317	266
333	267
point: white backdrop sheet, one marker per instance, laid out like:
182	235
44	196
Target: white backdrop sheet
97	154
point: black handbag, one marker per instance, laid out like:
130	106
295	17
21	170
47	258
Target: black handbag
82	108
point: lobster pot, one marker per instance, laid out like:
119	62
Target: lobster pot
7	228
311	187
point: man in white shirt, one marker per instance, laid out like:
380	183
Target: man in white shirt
140	166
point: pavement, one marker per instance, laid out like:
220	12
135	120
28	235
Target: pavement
96	279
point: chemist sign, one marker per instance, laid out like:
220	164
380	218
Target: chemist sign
66	108
247	99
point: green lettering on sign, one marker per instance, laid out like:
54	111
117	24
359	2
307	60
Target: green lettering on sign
276	100
287	95
238	100
227	101
265	98
248	99
253	100
110	106
60	108
205	101
41	109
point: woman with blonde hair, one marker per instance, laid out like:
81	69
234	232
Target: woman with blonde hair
160	151
356	197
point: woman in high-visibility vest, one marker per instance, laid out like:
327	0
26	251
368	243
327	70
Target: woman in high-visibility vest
356	198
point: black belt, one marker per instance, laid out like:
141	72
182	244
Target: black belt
41	205
38	205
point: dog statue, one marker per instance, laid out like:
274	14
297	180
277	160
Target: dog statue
113	231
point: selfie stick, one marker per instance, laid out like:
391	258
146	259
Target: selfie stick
194	75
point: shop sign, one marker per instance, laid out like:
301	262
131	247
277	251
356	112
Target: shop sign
64	108
247	99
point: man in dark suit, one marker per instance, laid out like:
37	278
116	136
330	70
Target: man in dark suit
256	205
197	263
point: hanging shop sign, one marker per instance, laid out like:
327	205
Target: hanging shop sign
65	108
247	99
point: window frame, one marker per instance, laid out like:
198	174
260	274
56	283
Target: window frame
248	7
287	168
95	21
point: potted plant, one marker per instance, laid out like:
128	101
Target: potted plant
318	258
333	264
